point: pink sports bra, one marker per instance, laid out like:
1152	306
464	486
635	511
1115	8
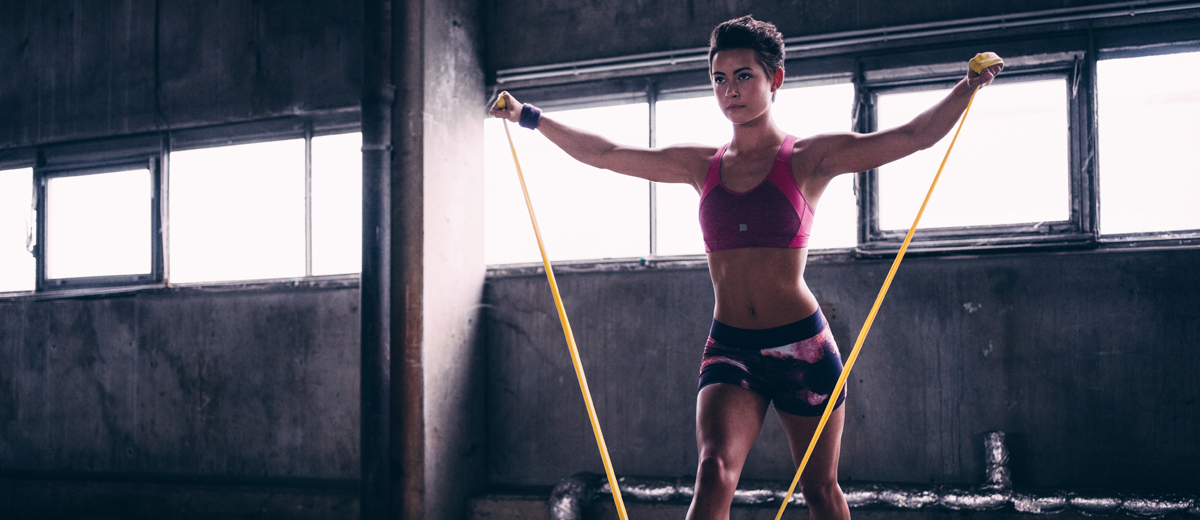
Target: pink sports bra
772	214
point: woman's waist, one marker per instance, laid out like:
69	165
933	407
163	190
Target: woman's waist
730	336
748	308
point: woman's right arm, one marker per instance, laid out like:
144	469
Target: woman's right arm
677	164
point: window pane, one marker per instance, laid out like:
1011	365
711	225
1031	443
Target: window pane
802	111
237	212
98	225
1010	164
1149	126
582	212
17	265
808	111
692	120
337	204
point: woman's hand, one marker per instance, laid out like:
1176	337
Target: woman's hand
511	110
983	77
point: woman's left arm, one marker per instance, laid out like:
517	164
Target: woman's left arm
852	152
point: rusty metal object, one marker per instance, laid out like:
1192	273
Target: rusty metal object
571	497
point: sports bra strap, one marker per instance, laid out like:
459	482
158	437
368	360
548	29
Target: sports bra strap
714	171
783	162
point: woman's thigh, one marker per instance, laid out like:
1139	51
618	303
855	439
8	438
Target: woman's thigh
728	419
822	465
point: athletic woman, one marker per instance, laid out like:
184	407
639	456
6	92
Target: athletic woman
769	341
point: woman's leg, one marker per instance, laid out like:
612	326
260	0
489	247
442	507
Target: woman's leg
728	418
819	481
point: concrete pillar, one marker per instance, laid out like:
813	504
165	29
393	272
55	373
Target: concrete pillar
436	445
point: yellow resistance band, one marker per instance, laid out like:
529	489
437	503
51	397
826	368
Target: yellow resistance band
862	335
562	316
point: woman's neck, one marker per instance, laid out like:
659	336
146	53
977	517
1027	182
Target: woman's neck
757	134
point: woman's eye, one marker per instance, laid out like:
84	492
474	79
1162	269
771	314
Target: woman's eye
744	76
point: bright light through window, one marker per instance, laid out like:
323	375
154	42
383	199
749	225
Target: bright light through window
237	212
803	112
17	265
1009	166
337	204
808	111
98	224
1149	119
582	212
691	120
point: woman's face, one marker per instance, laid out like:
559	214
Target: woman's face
742	87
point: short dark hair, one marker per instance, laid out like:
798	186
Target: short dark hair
747	33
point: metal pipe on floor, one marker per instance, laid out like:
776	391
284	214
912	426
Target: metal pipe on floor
995	455
995	493
572	496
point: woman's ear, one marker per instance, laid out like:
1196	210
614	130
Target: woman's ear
777	79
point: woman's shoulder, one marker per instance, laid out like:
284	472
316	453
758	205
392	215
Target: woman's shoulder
824	140
809	153
697	149
692	154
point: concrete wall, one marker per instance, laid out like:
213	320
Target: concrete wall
1086	360
76	70
253	388
519	31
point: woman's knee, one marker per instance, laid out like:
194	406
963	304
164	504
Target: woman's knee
719	471
821	493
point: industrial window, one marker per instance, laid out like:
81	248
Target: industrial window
18	268
237	212
1009	166
1149	126
268	200
336	213
688	120
586	213
98	224
582	212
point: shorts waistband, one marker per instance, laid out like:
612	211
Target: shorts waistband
767	338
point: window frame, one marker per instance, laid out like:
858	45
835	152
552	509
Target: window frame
895	70
95	157
1078	230
278	129
1066	47
152	151
15	159
1133	47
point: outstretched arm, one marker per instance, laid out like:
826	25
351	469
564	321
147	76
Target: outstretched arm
852	152
678	164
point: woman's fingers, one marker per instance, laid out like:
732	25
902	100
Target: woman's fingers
984	77
507	107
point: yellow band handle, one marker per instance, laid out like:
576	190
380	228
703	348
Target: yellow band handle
562	316
981	61
862	335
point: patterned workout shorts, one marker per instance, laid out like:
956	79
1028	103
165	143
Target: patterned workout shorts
795	365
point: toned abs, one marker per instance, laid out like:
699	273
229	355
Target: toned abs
759	288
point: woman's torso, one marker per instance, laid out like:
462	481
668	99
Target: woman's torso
761	287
